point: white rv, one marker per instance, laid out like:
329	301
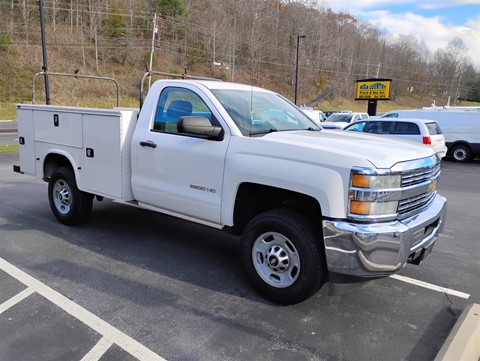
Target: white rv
460	127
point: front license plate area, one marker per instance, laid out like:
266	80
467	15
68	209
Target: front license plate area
420	255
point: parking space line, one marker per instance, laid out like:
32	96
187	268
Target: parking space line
431	286
127	343
16	299
98	350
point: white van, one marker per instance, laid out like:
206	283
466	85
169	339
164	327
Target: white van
461	129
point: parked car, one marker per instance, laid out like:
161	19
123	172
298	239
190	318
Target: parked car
461	128
316	115
330	112
418	130
341	120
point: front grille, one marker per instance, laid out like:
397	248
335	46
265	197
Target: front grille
421	185
410	204
420	175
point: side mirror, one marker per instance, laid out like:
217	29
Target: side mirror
199	126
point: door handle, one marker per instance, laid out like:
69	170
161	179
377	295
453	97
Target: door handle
148	144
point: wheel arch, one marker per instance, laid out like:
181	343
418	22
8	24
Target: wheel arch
55	160
253	199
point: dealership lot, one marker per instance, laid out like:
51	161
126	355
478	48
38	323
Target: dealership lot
132	284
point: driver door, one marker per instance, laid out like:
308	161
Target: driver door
176	172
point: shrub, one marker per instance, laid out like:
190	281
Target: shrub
5	41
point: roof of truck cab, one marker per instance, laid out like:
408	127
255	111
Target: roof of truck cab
214	84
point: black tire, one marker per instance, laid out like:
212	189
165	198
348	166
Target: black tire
283	256
461	153
69	205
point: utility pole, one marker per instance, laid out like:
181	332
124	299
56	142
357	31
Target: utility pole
458	88
155	30
214	45
44	51
296	66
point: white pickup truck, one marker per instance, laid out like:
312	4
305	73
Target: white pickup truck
311	205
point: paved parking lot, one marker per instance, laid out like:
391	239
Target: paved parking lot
133	284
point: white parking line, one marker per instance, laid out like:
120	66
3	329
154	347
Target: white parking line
15	299
430	286
109	332
98	350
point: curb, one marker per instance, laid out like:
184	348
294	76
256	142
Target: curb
463	342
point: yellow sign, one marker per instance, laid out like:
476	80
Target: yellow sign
378	89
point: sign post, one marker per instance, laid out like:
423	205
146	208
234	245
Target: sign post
373	90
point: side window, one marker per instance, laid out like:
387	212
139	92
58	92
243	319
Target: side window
376	127
356	117
406	128
175	103
434	128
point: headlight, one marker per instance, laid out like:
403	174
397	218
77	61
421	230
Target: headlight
373	194
376	181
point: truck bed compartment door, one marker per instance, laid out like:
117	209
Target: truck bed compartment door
26	141
58	127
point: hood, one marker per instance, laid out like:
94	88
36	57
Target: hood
357	147
334	125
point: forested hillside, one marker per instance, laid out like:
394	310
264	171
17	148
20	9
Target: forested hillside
249	41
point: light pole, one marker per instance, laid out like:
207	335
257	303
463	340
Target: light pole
296	66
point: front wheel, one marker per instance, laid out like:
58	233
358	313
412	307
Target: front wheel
69	205
283	256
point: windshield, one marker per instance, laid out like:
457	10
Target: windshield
338	117
259	113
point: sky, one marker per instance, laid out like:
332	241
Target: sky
435	22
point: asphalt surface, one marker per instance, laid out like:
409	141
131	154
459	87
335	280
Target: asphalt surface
8	133
179	289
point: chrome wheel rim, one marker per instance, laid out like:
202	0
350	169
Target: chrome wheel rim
62	196
276	259
460	154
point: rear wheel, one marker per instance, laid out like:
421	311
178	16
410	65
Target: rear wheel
69	205
284	256
461	153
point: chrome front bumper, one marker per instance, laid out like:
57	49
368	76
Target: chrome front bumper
381	249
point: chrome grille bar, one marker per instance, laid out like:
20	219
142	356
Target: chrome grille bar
410	204
420	175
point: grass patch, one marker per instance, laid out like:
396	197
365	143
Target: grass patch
8	111
9	148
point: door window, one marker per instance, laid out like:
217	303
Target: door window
379	127
175	103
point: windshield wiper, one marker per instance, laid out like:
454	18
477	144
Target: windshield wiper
293	130
271	130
